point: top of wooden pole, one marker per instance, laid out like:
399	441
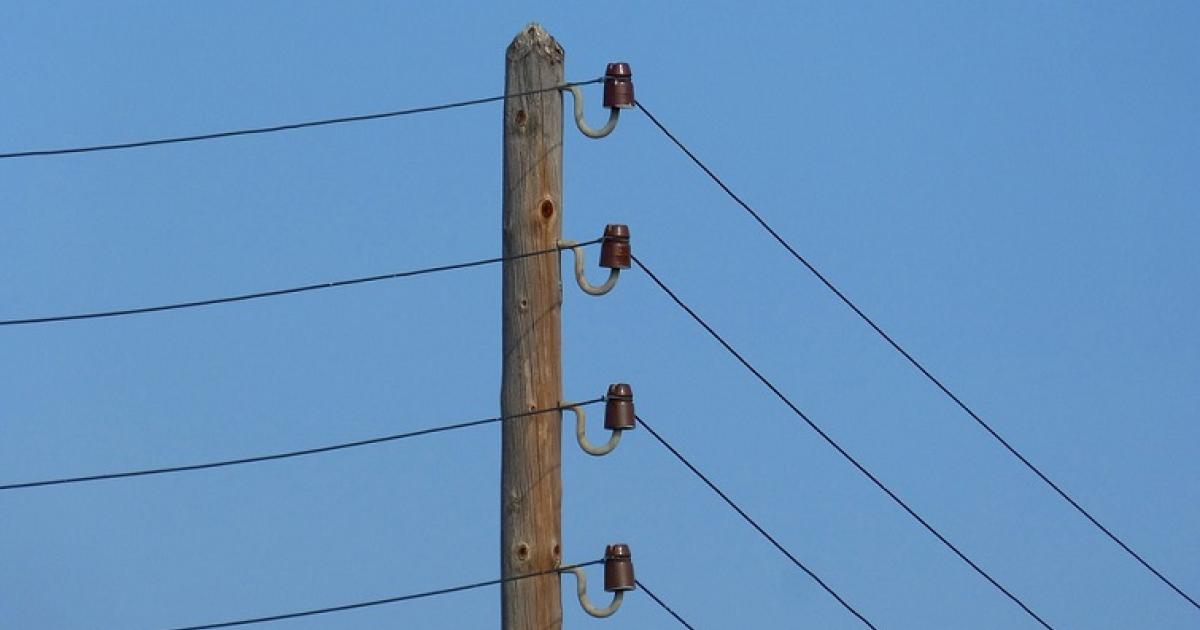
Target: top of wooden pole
533	38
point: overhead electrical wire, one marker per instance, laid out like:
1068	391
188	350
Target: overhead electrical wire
288	454
380	602
285	127
913	361
339	283
746	517
844	453
278	292
663	605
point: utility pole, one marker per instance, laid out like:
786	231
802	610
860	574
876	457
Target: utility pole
530	475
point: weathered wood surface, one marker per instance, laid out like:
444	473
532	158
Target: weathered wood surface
530	480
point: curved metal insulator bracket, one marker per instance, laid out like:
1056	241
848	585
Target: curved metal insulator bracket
588	607
581	433
581	279
614	113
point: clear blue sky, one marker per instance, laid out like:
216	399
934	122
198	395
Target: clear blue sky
1011	190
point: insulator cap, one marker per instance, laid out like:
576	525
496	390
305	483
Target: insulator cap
618	568
618	407
614	249
618	86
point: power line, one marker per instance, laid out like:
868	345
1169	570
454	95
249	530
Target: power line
912	360
754	524
389	600
285	127
664	605
825	436
277	292
288	454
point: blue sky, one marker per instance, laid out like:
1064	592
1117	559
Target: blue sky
1009	189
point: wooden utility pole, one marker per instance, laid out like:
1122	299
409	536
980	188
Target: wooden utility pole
530	479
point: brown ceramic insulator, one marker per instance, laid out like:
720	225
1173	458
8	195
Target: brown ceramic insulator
618	407
614	249
618	568
618	86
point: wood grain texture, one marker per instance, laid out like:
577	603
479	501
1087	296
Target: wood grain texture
530	479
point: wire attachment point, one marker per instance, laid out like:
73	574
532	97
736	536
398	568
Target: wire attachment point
618	95
615	254
618	417
618	578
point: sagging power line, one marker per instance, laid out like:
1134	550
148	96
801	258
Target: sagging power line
843	452
289	291
380	602
288	454
912	360
284	127
778	393
759	528
664	606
